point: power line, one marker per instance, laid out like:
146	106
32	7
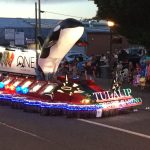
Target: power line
60	14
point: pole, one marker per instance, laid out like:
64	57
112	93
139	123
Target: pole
110	25
37	71
36	34
110	45
39	4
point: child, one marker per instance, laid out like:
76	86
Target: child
136	78
142	82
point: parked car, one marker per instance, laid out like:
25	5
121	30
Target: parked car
135	54
71	56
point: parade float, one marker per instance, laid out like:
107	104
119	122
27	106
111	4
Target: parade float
27	82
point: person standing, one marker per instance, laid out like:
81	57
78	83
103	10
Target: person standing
89	71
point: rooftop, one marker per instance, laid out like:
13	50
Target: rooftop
25	22
90	25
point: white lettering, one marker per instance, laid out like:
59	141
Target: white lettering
115	94
23	61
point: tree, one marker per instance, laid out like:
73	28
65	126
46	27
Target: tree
132	18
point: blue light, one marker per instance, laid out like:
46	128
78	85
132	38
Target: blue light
18	99
82	107
19	89
25	90
2	85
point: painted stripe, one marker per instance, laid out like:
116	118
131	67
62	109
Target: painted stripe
116	128
24	132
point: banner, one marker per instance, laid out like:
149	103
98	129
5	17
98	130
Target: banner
18	61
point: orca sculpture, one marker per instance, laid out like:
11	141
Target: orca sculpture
64	36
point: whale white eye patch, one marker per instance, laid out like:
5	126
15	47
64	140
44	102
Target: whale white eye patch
56	28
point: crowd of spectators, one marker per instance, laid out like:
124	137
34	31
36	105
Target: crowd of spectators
120	68
135	72
89	69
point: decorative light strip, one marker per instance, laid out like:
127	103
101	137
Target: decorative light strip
121	103
105	105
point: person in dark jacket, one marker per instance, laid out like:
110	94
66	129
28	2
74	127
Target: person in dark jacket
123	55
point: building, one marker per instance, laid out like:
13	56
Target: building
21	32
101	39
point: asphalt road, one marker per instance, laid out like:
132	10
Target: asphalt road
30	131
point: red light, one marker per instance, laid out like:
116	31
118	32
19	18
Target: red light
12	88
7	87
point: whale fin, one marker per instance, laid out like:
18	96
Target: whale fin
41	40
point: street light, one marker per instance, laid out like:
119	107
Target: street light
110	24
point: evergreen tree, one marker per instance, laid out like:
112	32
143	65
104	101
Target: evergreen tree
132	17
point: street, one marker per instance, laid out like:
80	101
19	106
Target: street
21	131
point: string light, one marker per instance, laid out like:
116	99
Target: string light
54	108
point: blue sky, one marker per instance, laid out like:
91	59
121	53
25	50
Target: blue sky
26	8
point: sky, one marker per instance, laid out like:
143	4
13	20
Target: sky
78	9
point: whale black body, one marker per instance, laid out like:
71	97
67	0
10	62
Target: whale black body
64	36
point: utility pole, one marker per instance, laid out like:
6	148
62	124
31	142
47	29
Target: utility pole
39	11
37	71
36	34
